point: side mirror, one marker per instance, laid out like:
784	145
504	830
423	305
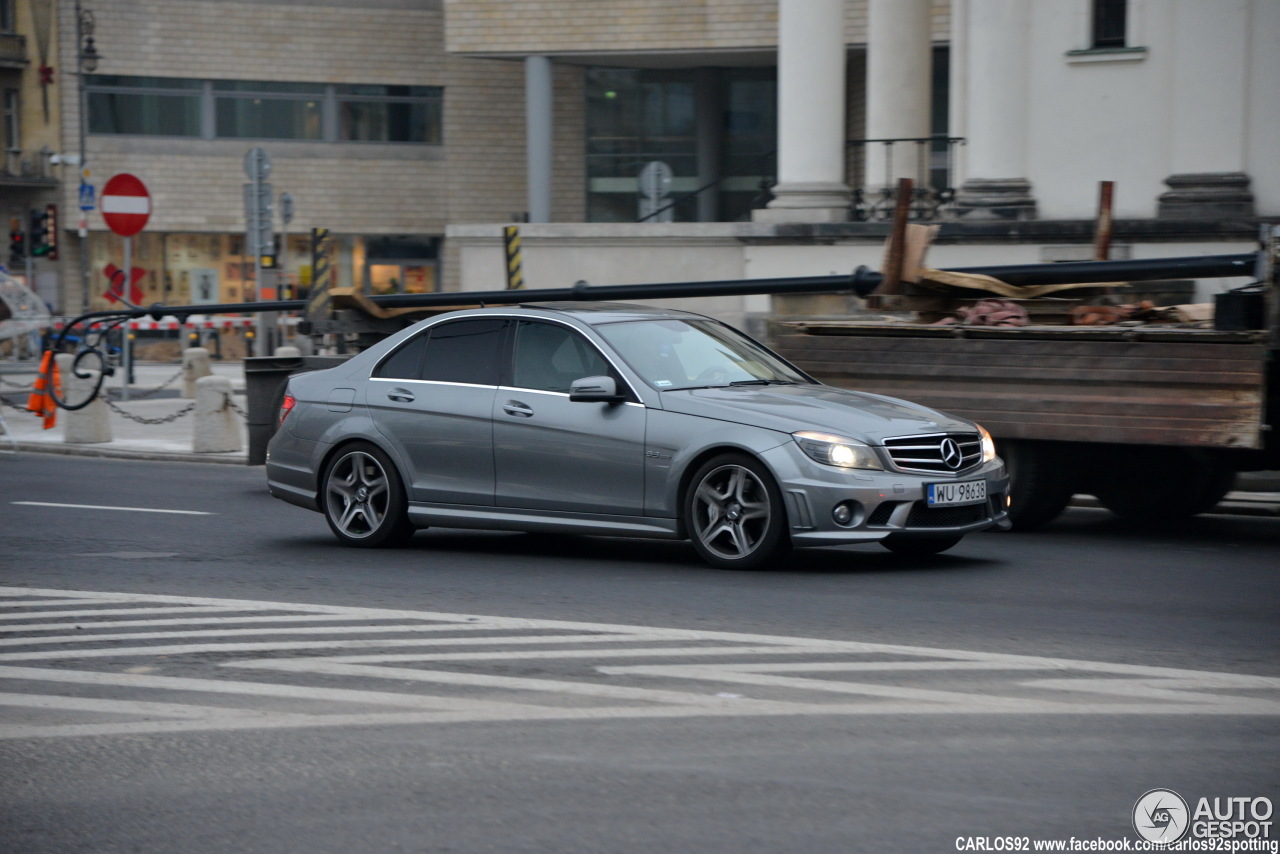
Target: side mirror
595	390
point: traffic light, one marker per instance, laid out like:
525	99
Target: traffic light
44	233
17	243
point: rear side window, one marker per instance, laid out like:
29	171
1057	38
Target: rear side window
464	351
406	362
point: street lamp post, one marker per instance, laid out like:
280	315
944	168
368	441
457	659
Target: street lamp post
87	57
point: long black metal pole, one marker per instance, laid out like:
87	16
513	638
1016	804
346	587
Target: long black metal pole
863	281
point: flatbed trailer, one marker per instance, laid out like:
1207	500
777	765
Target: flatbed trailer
1155	421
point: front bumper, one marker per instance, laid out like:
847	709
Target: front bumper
882	502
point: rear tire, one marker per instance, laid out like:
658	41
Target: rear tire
734	515
1154	486
919	546
363	498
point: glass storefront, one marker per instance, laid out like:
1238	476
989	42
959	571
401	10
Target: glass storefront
639	116
208	269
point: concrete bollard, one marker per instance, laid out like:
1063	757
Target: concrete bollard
195	364
216	428
288	351
86	426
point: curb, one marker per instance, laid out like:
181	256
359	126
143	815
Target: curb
235	458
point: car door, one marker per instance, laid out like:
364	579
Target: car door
551	453
432	398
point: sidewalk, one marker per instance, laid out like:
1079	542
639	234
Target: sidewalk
155	393
1257	493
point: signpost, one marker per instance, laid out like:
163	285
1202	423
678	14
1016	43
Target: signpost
126	207
259	233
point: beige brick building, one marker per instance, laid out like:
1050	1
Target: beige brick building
174	100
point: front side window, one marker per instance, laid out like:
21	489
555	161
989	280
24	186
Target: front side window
549	357
465	351
675	354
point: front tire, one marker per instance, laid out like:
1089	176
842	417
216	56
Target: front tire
734	514
363	498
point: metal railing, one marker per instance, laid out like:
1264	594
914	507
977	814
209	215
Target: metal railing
930	160
930	163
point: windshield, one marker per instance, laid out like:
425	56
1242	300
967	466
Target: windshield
674	354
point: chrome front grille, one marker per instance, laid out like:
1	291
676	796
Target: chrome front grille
935	453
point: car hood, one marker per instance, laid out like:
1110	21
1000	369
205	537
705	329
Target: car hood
788	408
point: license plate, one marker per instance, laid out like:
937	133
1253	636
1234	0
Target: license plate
953	494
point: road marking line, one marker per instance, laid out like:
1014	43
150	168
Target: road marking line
86	637
188	649
110	612
105	507
198	621
252	689
480	680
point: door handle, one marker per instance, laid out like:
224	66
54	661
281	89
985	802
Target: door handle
518	409
401	395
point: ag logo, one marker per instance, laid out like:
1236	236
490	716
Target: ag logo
1161	815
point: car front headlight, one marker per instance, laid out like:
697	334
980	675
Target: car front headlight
988	444
837	450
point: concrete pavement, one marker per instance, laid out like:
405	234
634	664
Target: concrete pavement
154	394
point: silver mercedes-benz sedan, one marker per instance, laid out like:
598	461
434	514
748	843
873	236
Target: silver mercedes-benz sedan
623	420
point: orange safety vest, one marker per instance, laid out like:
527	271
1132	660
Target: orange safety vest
40	401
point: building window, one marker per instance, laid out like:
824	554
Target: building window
245	109
388	113
1109	23
11	139
144	106
638	116
8	17
249	109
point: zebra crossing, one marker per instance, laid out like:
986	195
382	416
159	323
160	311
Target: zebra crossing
83	663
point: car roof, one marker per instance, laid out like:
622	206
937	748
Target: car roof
596	313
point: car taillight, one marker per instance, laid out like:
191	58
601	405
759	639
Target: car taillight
286	406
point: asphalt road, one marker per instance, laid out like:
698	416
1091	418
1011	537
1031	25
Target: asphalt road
480	692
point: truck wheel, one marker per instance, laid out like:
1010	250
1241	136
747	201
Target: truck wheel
1160	485
1041	481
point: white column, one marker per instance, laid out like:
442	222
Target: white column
1209	114
899	86
996	35
811	114
538	111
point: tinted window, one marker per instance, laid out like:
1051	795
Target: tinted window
550	357
464	351
405	363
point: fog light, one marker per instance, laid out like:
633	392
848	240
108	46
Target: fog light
847	514
1008	501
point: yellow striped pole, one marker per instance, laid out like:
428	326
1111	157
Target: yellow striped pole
515	271
321	276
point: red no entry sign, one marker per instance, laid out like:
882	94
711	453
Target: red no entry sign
126	204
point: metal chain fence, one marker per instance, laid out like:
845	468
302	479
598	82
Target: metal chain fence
13	405
142	395
166	419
